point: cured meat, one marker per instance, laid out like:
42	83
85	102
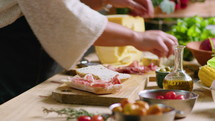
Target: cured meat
97	86
134	68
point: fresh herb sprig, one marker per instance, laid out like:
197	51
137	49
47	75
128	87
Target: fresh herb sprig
69	112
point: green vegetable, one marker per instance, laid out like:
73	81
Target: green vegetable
156	2
192	29
123	10
167	6
211	62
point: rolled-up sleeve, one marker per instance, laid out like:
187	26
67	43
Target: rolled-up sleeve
65	28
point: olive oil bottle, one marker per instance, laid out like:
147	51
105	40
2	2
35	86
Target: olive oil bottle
178	79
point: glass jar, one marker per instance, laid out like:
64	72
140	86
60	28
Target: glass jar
178	79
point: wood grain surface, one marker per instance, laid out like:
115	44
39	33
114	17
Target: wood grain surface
130	89
29	105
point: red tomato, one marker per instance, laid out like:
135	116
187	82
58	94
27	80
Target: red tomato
97	118
160	97
170	95
181	97
84	118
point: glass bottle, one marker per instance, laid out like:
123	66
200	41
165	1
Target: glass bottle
178	79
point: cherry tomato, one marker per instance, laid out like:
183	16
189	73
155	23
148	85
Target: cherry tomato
181	97
97	118
84	118
170	95
160	97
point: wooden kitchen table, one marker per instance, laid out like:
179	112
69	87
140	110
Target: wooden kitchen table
29	105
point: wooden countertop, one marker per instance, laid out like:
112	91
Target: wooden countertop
29	105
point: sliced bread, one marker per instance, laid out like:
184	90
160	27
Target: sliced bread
101	72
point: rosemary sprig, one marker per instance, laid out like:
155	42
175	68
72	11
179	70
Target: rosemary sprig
69	112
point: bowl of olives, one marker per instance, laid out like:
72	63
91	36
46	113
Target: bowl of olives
160	75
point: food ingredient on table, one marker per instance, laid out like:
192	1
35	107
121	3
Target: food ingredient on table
80	115
93	118
211	62
192	29
208	44
169	6
121	55
165	69
96	86
178	79
138	107
84	118
97	79
97	118
170	95
134	68
207	75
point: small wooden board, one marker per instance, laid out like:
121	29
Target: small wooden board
130	90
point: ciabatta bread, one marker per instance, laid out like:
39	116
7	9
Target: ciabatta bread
101	72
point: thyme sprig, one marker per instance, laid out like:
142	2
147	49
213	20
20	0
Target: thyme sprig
72	113
69	112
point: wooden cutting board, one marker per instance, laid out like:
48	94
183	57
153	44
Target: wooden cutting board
130	90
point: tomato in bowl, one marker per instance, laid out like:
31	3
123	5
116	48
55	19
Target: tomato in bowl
183	105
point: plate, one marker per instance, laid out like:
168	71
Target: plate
201	85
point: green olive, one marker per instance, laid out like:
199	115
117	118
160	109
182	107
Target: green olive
162	70
168	68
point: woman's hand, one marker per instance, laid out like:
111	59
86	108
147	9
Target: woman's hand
155	41
142	8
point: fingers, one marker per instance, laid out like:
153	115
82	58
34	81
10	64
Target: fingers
170	45
173	38
138	8
164	50
166	45
148	5
156	52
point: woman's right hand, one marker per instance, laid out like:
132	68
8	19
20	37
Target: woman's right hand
155	41
142	8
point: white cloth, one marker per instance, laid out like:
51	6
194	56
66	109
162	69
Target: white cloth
9	12
65	28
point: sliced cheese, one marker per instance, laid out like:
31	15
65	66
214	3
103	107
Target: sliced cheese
122	55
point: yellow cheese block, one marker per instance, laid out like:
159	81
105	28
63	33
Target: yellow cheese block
118	55
122	55
149	58
134	23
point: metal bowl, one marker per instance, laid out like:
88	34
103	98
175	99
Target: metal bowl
183	107
168	116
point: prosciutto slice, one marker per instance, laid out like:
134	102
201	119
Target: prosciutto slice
90	84
134	68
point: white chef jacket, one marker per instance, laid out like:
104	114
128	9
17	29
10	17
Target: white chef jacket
65	28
